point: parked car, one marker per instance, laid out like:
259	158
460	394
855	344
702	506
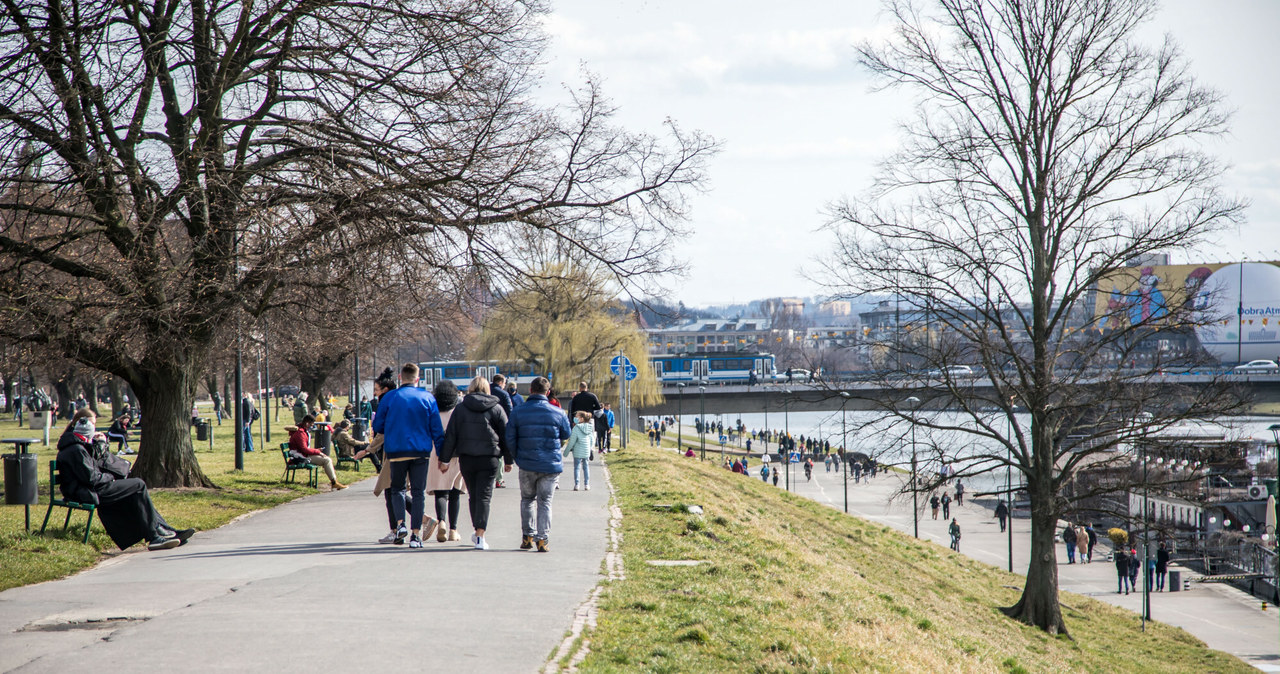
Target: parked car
287	390
1257	366
952	372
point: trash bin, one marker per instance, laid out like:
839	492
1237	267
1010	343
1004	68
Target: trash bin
359	429
202	430
324	437
20	479
1175	581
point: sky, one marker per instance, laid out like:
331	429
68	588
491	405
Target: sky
779	86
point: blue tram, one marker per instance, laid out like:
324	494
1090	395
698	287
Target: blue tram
461	372
719	368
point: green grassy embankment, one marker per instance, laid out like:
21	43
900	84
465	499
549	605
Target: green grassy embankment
33	558
790	585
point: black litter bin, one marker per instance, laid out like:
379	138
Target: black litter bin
20	479
202	430
359	429
324	437
1175	581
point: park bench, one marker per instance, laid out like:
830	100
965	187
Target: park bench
71	506
292	467
355	463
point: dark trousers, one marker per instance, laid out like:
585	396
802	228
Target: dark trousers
127	512
447	502
478	472
416	471
391	511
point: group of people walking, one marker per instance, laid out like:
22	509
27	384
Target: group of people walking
444	443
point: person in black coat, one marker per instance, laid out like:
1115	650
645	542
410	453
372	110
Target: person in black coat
89	473
1122	569
584	401
1002	514
1162	566
476	434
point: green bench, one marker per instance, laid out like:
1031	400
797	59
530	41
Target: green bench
292	467
71	506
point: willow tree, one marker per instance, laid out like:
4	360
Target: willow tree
565	323
1050	149
166	166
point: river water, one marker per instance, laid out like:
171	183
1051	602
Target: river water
891	443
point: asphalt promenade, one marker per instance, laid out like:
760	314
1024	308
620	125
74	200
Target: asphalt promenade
1223	617
304	587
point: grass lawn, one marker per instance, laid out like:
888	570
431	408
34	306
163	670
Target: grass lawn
27	559
790	585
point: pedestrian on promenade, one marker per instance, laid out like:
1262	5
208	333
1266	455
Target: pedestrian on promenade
584	401
764	473
954	530
534	437
1002	514
934	502
299	407
89	473
477	437
1093	539
217	406
444	477
581	444
959	493
507	402
857	472
775	477
410	420
516	399
250	415
1122	571
1069	537
1082	543
946	505
384	384
1135	565
1162	566
300	442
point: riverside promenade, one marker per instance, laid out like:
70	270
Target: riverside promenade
304	588
1223	617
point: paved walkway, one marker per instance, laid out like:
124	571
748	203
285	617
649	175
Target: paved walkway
1223	617
304	588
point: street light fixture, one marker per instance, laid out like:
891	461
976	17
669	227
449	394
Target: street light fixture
915	493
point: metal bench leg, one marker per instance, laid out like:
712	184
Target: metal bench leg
67	522
47	513
88	526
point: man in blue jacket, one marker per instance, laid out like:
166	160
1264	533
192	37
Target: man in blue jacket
409	420
535	434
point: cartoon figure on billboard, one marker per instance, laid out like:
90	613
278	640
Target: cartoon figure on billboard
1147	303
1196	297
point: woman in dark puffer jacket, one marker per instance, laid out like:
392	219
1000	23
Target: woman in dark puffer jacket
476	434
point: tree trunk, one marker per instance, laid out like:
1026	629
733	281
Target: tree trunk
1039	603
89	388
117	397
10	391
66	404
165	455
311	383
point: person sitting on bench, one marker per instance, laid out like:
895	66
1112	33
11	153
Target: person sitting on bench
348	446
89	473
119	433
300	442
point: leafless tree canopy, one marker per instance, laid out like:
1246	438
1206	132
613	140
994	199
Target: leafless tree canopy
1049	150
164	165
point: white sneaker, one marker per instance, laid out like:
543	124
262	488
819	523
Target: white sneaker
588	487
481	544
389	538
575	487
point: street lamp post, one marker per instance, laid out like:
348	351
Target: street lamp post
680	417
702	417
786	425
915	493
844	449
1008	482
1275	432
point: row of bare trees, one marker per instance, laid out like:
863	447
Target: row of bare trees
172	170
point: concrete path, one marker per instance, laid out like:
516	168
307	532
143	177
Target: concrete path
1223	617
304	588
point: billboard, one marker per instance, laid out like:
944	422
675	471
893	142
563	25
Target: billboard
1236	306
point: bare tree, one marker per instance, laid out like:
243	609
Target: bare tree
1049	151
165	165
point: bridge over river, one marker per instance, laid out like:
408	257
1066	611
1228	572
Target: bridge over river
1263	391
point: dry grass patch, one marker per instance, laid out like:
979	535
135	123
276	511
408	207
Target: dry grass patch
791	585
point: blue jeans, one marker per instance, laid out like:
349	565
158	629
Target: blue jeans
1071	553
248	437
586	472
539	487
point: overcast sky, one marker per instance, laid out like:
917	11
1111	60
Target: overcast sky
777	83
